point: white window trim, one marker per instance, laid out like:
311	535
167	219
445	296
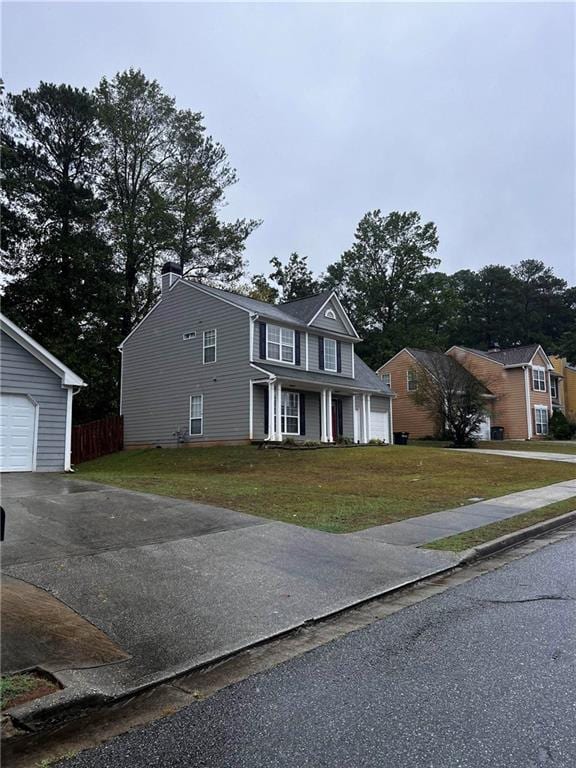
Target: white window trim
541	408
280	344
539	369
201	417
330	314
332	341
387	378
409	381
283	417
209	346
189	335
554	385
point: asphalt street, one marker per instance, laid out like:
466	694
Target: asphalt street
482	675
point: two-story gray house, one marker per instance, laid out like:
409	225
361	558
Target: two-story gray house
207	366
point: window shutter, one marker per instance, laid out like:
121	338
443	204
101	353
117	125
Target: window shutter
321	352
339	417
266	404
339	356
302	399
297	347
262	327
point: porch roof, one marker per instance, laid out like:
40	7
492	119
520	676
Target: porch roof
365	379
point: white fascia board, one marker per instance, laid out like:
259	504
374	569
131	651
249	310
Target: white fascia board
146	316
404	349
550	367
271	376
69	378
347	321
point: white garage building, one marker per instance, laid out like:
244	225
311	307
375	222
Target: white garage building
36	392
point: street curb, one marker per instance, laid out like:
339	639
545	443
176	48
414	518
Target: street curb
40	716
516	537
36	717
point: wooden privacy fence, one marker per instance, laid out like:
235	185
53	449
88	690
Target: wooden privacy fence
97	438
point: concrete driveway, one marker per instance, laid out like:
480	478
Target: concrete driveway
174	584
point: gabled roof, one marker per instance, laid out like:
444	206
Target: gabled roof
69	378
299	312
364	377
308	308
510	356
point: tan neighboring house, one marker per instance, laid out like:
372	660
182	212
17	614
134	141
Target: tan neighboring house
567	386
523	387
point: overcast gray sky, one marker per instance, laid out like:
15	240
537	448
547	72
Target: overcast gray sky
464	112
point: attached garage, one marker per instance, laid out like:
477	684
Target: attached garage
36	392
380	428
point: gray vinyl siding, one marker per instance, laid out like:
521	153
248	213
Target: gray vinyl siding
312	405
22	372
160	371
328	324
347	353
348	417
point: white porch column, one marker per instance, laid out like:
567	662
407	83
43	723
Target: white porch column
364	420
323	438
354	435
329	430
271	425
369	435
278	412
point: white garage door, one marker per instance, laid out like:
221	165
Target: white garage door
17	421
379	426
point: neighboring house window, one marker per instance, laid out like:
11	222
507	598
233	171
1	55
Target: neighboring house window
189	335
387	379
280	344
210	346
411	381
330	360
196	414
541	419
330	314
554	387
539	379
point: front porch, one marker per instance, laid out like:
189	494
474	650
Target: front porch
325	414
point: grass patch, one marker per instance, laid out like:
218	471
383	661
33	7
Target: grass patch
469	539
331	490
17	689
540	446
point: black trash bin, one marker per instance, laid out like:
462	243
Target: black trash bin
497	433
401	438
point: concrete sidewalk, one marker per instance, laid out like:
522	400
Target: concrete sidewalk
568	458
173	584
421	530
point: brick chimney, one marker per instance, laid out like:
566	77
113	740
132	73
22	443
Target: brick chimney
171	272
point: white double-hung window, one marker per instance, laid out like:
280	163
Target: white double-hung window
209	346
387	378
280	344
541	419
330	362
554	387
290	413
411	381
196	414
539	379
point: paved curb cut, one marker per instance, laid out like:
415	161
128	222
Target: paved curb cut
34	718
516	537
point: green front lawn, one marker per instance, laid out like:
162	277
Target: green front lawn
336	490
